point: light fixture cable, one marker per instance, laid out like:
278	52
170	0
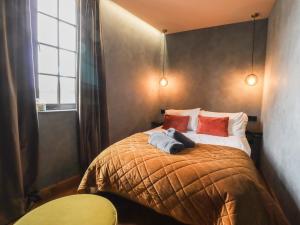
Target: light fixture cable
251	79
163	81
164	51
254	16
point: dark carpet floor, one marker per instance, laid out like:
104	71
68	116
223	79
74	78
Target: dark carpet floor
130	213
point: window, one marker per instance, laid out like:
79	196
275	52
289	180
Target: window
57	53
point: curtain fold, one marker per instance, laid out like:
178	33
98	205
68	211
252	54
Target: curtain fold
18	117
93	122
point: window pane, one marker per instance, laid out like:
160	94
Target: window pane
47	29
48	6
67	36
48	89
67	90
67	64
67	10
48	57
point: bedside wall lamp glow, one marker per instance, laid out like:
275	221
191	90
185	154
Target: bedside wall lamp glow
163	80
252	78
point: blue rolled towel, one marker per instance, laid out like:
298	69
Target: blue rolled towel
165	143
172	133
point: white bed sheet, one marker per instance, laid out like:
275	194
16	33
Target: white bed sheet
231	141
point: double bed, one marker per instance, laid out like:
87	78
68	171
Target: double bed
215	183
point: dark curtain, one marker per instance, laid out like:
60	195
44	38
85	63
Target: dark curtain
93	122
18	117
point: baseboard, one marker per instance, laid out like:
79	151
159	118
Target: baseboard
60	187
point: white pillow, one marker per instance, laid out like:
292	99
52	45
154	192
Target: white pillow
237	121
193	113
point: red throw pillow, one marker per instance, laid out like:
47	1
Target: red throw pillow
179	123
217	126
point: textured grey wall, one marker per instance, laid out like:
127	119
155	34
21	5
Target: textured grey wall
207	68
281	107
132	64
58	153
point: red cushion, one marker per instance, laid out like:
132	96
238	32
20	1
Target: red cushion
217	126
179	123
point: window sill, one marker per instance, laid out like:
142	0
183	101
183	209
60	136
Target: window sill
58	111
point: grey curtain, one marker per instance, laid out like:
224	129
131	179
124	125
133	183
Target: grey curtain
93	123
18	118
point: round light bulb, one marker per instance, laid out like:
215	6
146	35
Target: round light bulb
163	82
251	80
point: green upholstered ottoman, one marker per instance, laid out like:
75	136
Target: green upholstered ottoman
81	209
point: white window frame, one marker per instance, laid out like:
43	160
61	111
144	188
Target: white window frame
59	105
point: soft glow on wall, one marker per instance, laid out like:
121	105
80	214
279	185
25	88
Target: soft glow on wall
173	95
251	80
129	18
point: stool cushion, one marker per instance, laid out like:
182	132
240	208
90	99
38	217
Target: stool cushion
81	209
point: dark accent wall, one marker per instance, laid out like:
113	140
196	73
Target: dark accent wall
132	66
207	68
58	147
281	107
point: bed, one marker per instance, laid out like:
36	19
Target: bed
215	183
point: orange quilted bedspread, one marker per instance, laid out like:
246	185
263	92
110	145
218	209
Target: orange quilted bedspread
206	185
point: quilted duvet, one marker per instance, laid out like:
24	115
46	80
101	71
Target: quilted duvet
206	185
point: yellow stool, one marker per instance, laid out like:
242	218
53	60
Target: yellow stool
81	209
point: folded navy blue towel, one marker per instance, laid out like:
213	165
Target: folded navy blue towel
188	143
165	143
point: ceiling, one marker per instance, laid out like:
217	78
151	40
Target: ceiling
184	15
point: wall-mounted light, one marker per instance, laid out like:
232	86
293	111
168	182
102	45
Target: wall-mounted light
163	81
252	78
